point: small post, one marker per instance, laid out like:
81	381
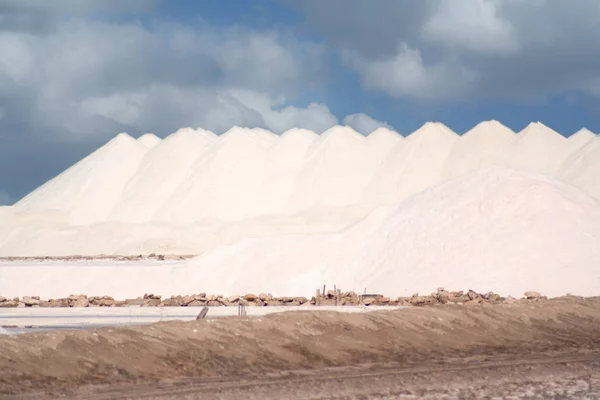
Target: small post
324	291
318	298
202	313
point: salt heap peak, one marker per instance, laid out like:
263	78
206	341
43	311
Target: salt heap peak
87	191
385	132
284	162
414	164
582	168
161	171
330	176
207	134
224	183
478	148
149	140
537	148
490	231
581	137
265	134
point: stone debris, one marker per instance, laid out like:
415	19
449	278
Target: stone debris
330	298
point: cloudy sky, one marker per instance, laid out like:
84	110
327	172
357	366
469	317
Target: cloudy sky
73	73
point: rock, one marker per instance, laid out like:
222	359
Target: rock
79	303
472	302
2	299
75	297
135	302
196	303
383	300
9	304
152	303
211	298
224	301
200	296
234	299
187	300
301	300
170	303
510	300
273	303
30	301
472	294
423	300
265	297
55	303
214	303
443	296
494	298
35	297
368	301
531	295
251	297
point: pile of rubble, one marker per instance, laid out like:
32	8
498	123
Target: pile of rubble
330	298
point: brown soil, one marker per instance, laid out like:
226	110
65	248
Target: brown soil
370	352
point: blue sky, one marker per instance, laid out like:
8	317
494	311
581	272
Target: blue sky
73	73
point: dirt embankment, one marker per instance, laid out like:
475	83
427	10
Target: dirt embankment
243	346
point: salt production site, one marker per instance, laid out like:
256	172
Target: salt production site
489	228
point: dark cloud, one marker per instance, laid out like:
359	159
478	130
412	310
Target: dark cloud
522	50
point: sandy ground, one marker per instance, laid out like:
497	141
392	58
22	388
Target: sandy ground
547	349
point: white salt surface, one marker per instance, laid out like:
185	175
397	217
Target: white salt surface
492	230
224	184
582	168
537	148
477	148
161	171
196	190
412	165
330	175
149	140
283	164
88	191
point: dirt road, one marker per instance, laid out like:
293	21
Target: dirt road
548	349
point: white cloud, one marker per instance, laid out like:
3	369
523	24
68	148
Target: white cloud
315	116
406	75
471	25
86	72
364	123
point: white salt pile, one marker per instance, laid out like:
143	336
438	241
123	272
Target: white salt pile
283	163
491	230
412	165
149	140
537	148
582	168
478	148
224	183
196	190
161	171
88	191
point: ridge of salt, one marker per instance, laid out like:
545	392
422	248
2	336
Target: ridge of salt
161	171
580	138
149	140
89	189
537	148
582	168
207	134
477	148
385	132
284	162
233	164
330	175
414	164
495	250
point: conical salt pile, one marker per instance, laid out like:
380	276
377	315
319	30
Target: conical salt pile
149	140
